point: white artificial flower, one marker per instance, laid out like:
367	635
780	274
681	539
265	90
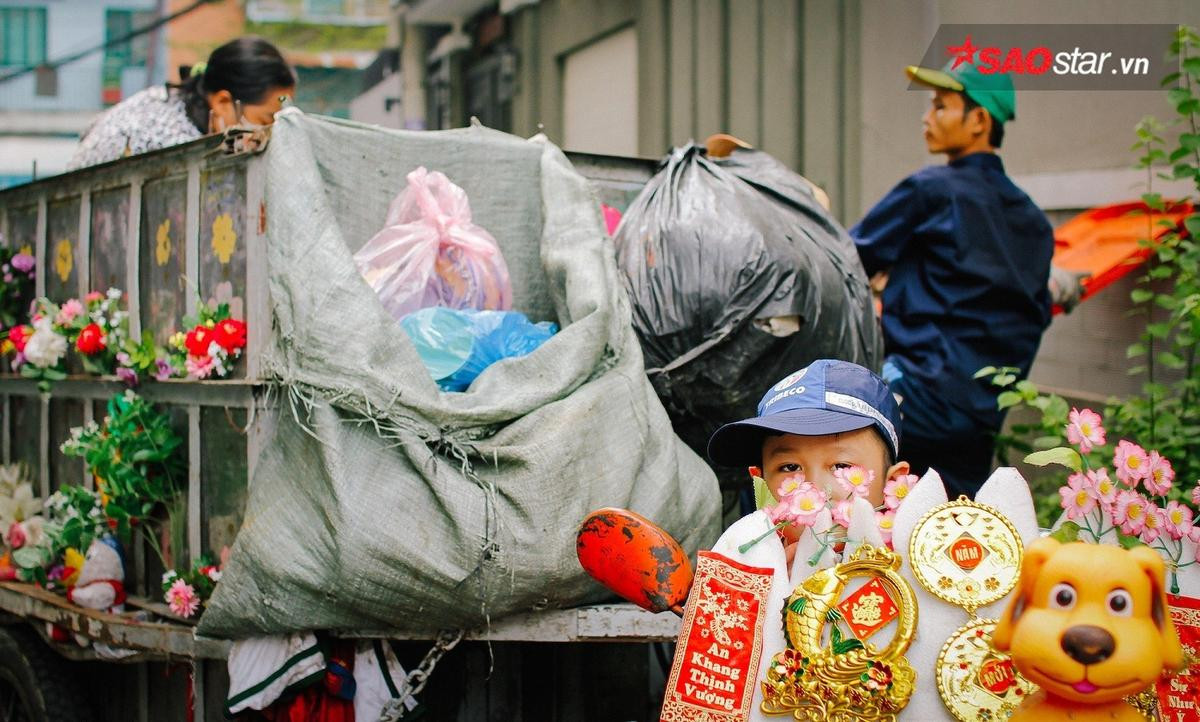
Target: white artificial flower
215	575
169	576
34	530
114	294
46	347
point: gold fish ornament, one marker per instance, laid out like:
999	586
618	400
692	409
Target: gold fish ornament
969	555
847	679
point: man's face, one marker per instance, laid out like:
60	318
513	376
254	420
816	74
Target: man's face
817	457
947	129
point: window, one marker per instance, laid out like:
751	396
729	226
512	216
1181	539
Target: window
325	7
119	23
22	36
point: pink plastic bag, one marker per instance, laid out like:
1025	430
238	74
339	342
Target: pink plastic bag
429	253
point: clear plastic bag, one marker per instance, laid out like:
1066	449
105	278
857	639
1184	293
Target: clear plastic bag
429	253
457	345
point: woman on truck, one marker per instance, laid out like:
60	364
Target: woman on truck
245	82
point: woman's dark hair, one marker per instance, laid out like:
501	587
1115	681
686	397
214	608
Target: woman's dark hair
996	136
247	67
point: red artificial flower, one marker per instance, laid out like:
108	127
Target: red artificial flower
91	340
230	334
19	335
198	340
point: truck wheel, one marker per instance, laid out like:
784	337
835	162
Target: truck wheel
36	685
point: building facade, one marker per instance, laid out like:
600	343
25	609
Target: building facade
43	112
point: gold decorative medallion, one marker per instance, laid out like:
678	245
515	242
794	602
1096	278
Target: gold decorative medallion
966	554
975	681
848	679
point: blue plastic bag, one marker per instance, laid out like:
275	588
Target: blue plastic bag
457	345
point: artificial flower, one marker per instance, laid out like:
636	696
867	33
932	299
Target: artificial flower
1177	520
841	512
182	599
70	310
1078	496
200	367
886	521
897	489
164	370
1131	461
799	507
1084	429
91	340
1159	474
46	347
93	297
19	336
1154	525
1196	494
1104	488
854	480
1129	512
198	340
15	538
230	334
23	262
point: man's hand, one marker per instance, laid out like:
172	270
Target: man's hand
1066	287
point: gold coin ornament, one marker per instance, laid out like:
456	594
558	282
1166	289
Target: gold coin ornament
969	555
847	679
975	681
966	554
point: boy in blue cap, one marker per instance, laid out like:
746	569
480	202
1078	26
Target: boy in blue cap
827	416
967	258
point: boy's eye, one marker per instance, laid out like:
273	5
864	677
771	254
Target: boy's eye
842	465
789	468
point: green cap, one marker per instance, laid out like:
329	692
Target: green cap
993	91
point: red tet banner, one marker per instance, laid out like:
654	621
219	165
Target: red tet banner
720	644
1179	696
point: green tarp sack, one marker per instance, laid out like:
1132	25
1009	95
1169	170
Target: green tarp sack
381	503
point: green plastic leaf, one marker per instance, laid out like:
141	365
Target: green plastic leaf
1128	541
1067	533
1140	295
762	495
986	371
1062	455
1008	399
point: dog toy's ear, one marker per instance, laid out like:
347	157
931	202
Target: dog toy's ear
1035	557
1152	565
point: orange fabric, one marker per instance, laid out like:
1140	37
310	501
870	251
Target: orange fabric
1104	241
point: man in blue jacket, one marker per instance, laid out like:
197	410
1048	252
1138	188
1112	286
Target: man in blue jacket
967	256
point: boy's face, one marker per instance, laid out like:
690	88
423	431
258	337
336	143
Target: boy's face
817	457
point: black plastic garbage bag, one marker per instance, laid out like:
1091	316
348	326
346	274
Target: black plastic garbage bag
738	276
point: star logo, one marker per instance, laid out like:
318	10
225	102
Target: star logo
964	53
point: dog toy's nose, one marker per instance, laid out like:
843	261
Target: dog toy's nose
1088	644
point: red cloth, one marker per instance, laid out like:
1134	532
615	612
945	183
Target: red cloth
317	702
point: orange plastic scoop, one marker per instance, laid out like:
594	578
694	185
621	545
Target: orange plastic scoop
635	558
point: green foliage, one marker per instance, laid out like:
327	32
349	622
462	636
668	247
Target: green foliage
1165	416
319	38
135	457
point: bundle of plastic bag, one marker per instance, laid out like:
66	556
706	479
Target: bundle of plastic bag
456	346
429	253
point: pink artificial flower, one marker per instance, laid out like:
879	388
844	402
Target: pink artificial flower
1104	488
93	297
841	512
854	480
200	367
886	520
1178	520
23	262
1132	463
896	490
1130	511
1078	496
800	506
70	311
1196	495
1155	523
182	599
1084	429
16	535
1160	475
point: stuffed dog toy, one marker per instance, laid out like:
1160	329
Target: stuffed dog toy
1088	623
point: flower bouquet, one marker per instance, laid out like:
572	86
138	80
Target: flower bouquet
17	276
212	346
801	503
1125	503
74	517
186	591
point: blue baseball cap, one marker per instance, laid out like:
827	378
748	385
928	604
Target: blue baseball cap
825	397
